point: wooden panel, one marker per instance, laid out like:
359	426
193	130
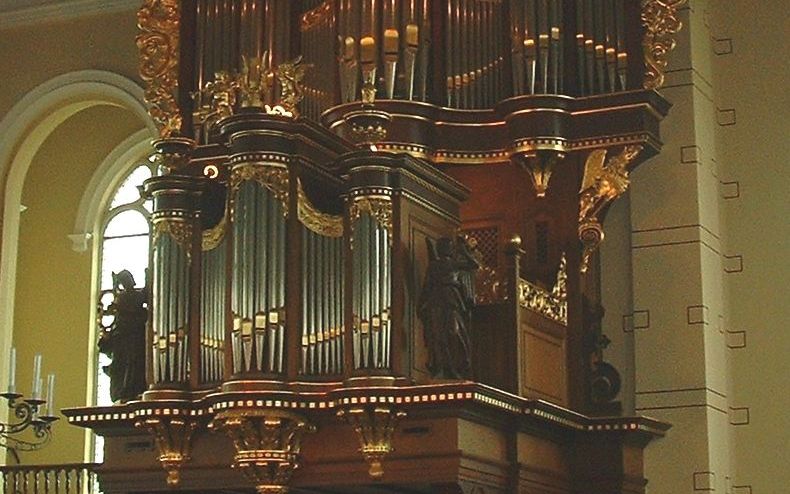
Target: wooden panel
543	372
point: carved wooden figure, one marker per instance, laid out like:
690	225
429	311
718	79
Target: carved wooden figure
445	308
125	340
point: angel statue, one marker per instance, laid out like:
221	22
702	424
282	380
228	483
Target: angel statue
124	341
445	307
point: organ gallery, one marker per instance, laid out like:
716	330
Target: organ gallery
374	264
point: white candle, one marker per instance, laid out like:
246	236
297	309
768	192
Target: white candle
12	372
37	377
50	395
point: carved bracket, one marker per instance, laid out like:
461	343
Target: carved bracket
267	442
540	165
604	181
375	427
173	437
660	19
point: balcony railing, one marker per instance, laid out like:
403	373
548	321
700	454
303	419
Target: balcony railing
75	478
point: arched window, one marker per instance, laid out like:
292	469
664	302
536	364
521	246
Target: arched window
124	244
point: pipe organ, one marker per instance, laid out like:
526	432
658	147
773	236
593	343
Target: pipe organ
375	237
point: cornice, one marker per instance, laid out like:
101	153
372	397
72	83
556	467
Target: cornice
61	11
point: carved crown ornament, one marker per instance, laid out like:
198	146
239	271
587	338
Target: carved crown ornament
251	87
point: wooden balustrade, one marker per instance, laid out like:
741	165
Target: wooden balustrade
72	478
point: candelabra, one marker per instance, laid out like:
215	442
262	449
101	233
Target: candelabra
25	412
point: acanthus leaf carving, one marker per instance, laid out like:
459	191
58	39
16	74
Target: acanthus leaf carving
661	23
158	44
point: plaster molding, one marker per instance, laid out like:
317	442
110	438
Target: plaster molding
80	241
25	14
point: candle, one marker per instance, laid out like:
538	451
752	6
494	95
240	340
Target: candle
37	377
12	372
51	395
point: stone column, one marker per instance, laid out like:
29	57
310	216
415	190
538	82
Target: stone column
680	350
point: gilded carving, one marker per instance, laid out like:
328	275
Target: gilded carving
604	180
489	286
267	443
158	44
252	86
173	154
540	165
375	427
322	223
178	228
213	236
255	81
660	19
312	18
173	437
290	76
380	207
551	304
274	178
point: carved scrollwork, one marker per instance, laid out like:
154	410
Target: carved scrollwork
158	44
311	217
274	178
660	19
551	304
604	181
375	427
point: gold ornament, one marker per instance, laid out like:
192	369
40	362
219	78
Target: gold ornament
660	19
158	44
173	437
319	222
551	304
604	181
375	427
267	442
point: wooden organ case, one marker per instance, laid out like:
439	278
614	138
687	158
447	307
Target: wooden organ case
311	152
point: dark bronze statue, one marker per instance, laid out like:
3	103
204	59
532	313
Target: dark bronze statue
445	308
124	341
604	379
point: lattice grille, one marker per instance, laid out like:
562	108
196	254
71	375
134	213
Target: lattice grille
487	244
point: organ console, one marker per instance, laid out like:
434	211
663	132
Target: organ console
309	149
